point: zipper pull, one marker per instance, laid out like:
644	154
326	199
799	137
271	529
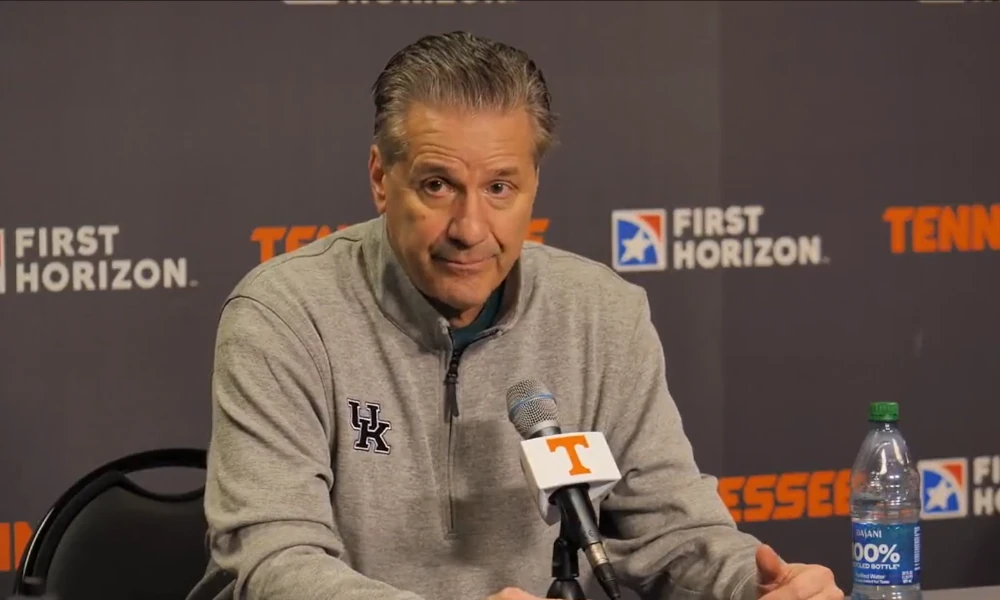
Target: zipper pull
451	384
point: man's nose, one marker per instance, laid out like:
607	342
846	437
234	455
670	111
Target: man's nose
468	224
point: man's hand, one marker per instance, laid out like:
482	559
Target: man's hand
778	580
513	594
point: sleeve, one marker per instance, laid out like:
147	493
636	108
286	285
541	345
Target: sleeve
667	530
267	497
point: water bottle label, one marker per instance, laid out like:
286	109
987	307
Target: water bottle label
886	554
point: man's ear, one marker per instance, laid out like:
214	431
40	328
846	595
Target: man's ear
377	176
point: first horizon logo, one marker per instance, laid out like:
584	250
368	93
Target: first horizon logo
709	237
80	259
948	490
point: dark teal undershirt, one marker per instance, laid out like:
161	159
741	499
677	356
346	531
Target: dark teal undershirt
463	336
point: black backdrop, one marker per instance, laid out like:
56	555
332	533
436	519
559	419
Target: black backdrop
187	126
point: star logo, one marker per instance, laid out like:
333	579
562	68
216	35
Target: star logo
639	241
944	488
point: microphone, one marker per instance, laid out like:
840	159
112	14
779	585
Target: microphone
567	472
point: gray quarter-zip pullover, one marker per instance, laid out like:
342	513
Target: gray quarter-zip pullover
354	456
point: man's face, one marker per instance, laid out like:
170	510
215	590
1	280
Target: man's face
458	205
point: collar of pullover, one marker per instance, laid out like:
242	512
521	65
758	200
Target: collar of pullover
403	304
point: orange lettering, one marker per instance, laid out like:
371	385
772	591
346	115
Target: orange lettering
18	540
791	496
986	227
537	229
570	443
728	488
842	493
943	228
924	232
758	497
820	494
267	237
294	238
5	543
954	229
897	217
787	496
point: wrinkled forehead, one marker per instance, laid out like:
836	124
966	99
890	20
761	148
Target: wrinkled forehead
473	139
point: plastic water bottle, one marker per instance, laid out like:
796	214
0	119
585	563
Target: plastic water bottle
885	512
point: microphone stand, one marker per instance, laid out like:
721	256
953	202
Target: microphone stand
565	566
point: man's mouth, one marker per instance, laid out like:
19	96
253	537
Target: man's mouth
464	265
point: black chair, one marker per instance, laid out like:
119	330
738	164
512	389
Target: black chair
108	538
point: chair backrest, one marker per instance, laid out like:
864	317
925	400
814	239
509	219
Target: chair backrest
107	537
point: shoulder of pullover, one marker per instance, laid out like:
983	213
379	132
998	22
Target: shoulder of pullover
582	285
319	267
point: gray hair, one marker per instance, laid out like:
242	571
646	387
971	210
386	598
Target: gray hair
458	70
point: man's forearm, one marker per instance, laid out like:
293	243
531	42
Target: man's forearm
300	572
673	531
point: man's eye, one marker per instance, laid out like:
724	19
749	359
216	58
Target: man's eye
435	186
500	188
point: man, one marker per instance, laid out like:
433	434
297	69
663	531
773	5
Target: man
360	446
